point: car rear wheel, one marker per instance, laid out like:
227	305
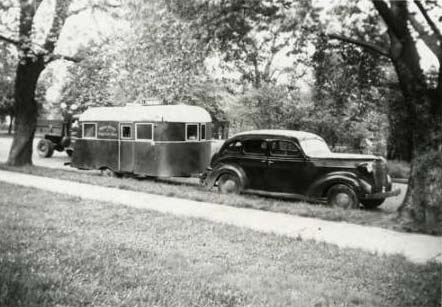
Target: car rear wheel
372	203
45	148
342	196
228	183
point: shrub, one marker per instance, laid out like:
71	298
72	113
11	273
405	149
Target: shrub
399	169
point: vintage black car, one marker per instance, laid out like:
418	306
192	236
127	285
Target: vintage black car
301	164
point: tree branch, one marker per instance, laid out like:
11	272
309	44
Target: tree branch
54	57
429	39
61	8
429	20
365	45
100	7
387	16
9	40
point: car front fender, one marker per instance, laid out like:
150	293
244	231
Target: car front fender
319	188
213	175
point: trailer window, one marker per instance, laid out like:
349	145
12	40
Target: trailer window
126	132
89	131
192	132
203	131
145	132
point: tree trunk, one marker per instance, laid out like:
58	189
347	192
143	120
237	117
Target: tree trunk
25	109
422	205
11	121
399	141
423	200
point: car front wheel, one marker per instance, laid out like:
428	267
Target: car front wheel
228	183
342	196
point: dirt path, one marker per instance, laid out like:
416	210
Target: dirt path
415	247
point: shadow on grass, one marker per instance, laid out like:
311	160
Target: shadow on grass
20	285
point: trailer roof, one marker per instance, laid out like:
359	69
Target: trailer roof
151	113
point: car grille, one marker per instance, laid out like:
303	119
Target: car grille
380	176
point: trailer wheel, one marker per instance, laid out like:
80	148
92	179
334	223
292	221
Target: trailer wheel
45	148
69	152
107	172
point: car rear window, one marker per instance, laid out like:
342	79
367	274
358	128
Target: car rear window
284	148
258	147
234	147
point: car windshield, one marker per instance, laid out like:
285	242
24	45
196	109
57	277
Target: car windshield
315	147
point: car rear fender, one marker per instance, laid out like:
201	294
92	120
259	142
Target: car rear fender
320	187
225	169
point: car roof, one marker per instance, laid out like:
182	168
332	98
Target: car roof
180	113
300	135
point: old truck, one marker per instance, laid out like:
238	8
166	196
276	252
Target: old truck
57	135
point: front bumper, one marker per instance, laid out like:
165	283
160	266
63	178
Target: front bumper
382	195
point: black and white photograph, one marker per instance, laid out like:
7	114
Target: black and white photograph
174	153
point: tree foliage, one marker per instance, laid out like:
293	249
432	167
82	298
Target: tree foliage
249	35
7	68
350	98
36	43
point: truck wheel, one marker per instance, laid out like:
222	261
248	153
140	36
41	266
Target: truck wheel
342	196
45	148
372	203
228	183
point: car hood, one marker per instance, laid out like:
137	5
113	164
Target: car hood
346	156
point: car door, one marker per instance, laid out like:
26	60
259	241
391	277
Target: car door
253	161
286	171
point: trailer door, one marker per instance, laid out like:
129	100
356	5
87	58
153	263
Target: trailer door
126	150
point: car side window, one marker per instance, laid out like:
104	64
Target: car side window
256	147
234	147
285	149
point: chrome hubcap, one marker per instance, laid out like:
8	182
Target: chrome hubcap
343	200
229	186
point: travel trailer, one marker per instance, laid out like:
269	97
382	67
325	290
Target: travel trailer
147	140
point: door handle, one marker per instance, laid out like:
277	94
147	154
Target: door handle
267	161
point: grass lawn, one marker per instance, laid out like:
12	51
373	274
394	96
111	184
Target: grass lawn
385	216
57	250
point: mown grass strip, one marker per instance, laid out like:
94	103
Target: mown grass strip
60	250
384	217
